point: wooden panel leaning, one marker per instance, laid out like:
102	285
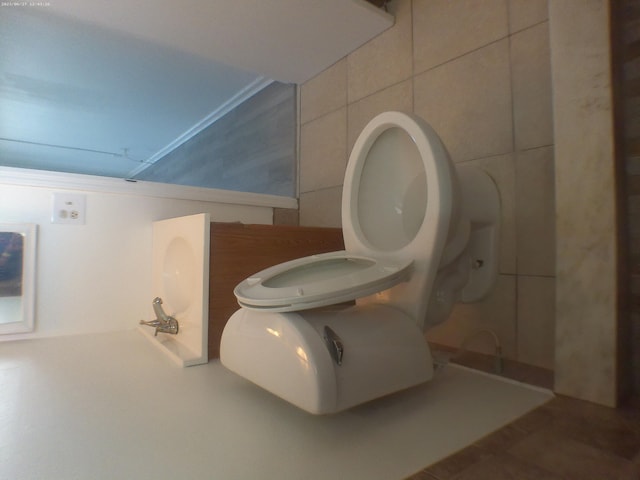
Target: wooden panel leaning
238	251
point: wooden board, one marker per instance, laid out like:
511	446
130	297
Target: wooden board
238	251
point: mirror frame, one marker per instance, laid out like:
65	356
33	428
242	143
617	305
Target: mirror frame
26	322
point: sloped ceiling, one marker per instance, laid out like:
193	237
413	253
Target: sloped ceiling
104	86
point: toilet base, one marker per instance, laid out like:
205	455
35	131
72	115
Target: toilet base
296	355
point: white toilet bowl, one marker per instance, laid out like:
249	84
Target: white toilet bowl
418	234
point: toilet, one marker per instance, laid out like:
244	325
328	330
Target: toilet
334	330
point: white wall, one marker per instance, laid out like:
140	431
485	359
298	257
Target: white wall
97	277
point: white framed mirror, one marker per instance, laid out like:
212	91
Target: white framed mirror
17	277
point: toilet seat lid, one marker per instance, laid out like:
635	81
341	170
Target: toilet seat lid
319	280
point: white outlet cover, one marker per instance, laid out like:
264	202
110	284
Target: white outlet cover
69	208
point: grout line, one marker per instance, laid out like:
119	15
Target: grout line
323	188
516	316
529	27
510	152
509	34
298	139
413	61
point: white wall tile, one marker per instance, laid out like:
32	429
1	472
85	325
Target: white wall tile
535	212
321	208
397	97
445	29
536	320
525	13
324	93
383	61
531	73
468	102
323	151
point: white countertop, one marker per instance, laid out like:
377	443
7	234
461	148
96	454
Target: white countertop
111	406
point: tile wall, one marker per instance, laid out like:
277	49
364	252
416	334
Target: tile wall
479	72
591	322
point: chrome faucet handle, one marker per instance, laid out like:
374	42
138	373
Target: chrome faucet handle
163	323
170	326
157	308
151	323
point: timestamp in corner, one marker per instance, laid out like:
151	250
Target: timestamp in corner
24	4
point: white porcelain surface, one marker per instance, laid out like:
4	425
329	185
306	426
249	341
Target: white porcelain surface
400	209
502	169
481	206
383	352
319	280
179	274
406	228
180	277
105	406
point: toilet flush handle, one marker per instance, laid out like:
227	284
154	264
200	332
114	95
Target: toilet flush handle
334	344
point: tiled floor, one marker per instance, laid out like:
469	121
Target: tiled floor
564	439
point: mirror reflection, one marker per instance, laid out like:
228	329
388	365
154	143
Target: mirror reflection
11	254
17	277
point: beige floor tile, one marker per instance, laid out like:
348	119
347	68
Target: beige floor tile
505	467
600	427
568	458
453	465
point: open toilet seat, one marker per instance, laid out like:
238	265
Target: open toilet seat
417	229
318	281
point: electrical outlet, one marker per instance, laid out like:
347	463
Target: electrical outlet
69	208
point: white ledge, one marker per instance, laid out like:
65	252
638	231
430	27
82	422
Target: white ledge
92	183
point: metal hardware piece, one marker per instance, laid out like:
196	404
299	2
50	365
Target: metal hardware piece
334	344
163	322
